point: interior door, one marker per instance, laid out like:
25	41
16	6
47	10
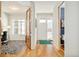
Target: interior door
28	28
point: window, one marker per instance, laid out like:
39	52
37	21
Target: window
19	27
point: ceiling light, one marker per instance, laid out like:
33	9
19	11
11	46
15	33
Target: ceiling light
14	8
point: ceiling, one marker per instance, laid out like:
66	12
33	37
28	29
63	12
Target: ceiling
13	7
44	6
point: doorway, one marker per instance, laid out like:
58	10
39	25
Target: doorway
28	29
61	18
44	28
14	22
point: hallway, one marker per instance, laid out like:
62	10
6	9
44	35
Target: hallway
29	29
40	51
39	29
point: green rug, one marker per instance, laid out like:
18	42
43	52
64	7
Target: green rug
45	41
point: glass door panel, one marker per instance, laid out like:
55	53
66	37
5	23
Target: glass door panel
49	29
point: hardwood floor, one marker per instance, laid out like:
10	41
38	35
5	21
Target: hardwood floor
40	51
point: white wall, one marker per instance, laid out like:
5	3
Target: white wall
44	7
41	27
33	40
72	29
56	25
4	21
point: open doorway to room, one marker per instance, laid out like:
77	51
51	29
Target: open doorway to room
61	18
14	26
28	28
